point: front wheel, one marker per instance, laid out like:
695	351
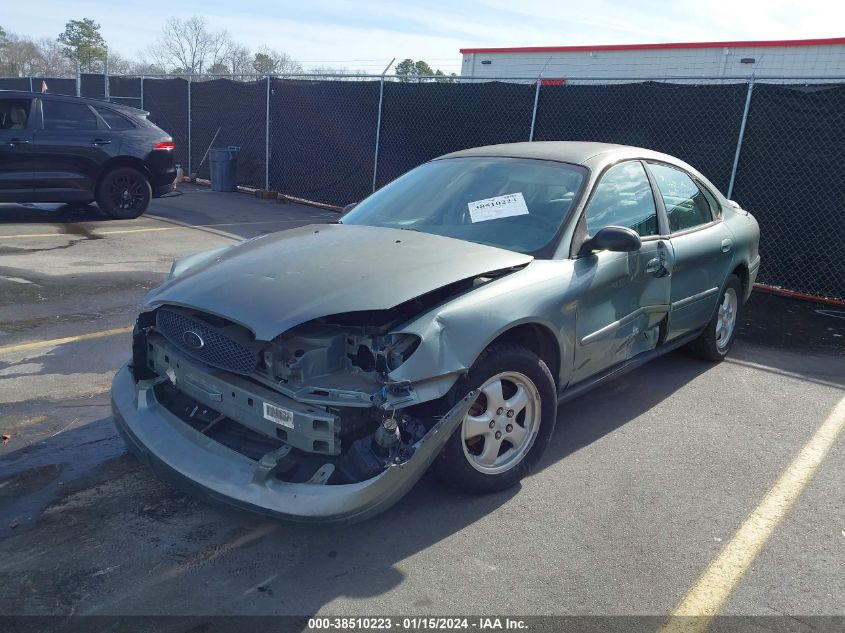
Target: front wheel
716	340
124	193
509	425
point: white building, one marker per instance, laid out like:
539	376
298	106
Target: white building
819	58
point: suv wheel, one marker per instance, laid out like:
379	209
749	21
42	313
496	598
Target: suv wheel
508	427
124	193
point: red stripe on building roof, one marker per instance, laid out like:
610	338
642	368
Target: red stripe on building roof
675	45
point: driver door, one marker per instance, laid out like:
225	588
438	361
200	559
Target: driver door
622	298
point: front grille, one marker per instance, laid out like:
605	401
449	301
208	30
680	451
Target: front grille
217	349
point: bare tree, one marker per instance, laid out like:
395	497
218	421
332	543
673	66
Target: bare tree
54	62
189	46
20	58
239	61
119	65
335	73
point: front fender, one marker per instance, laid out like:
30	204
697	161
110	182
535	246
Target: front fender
454	335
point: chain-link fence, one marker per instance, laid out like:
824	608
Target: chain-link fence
775	145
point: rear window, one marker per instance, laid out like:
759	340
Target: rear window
64	115
114	120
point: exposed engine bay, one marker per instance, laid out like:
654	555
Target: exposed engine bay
316	404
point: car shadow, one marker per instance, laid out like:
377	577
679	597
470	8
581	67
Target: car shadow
176	537
50	214
190	556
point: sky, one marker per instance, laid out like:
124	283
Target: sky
366	34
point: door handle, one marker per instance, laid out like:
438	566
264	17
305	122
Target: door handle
100	141
18	141
727	245
656	267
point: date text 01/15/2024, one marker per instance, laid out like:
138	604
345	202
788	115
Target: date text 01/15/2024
416	623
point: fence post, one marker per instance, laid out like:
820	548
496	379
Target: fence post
378	121
267	139
142	92
741	136
534	112
30	85
78	79
190	81
106	78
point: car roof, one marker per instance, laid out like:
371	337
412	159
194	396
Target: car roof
566	151
24	94
595	156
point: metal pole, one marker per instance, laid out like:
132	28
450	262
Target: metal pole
534	113
142	92
537	99
190	81
78	79
30	85
378	122
741	136
106	77
267	139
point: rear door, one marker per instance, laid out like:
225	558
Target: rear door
702	244
70	148
622	297
16	160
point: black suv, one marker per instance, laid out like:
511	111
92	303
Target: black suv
55	148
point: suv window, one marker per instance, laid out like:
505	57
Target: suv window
63	115
14	114
114	120
686	205
623	197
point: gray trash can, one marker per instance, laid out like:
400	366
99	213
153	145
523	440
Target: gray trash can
223	166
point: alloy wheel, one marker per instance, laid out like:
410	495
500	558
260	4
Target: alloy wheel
726	318
502	424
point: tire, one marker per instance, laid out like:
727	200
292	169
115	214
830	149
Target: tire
467	462
124	193
716	340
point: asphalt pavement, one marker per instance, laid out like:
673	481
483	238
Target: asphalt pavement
646	480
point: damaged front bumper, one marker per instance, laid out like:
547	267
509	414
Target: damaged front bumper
177	451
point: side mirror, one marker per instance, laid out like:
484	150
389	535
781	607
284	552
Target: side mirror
612	238
348	208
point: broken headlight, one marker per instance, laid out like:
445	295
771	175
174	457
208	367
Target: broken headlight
397	348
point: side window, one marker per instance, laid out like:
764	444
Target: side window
715	207
114	120
14	113
686	205
64	115
623	197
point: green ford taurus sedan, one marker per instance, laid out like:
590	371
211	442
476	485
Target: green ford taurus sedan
315	374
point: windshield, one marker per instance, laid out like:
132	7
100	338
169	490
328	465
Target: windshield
514	203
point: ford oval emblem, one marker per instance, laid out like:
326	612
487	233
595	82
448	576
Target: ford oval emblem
193	340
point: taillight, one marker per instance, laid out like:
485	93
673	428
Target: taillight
166	145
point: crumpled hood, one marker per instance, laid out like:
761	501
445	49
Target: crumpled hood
278	281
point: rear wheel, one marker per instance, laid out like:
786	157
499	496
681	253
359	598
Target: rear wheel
716	340
509	425
124	193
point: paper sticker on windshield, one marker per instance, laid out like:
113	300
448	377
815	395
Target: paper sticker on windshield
498	207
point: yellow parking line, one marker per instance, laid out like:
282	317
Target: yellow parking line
706	597
158	228
22	347
143	230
